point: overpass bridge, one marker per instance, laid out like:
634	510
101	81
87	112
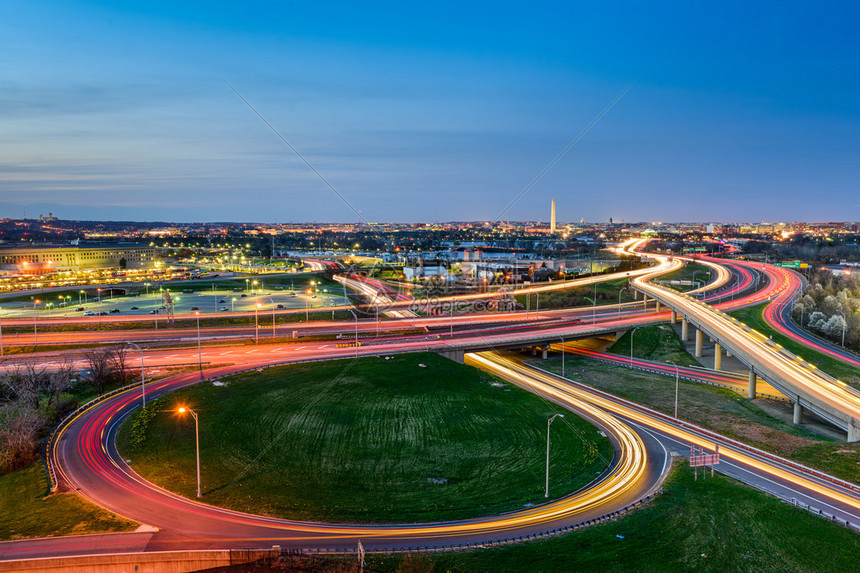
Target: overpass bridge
541	340
809	388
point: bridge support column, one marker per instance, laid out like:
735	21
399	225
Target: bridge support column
673	317
685	330
657	309
752	384
853	431
798	414
544	351
636	294
700	338
534	350
718	357
457	356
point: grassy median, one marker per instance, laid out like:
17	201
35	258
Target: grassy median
372	440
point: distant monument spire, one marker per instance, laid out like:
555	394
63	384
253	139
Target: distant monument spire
552	218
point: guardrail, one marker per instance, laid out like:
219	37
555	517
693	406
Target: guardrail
821	513
606	518
49	461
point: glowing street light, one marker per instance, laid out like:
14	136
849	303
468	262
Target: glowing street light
182	410
257	323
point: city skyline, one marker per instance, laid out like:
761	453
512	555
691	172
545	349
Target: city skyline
429	114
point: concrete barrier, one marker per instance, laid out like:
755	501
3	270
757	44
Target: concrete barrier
155	562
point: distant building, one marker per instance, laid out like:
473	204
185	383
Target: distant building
420	272
41	260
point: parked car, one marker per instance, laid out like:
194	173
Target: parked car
221	301
103	313
79	309
243	295
114	310
89	313
223	309
153	312
195	308
134	308
280	306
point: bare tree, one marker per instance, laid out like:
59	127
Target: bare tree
59	380
20	428
120	363
101	366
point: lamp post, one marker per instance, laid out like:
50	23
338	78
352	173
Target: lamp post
182	410
232	304
593	308
35	335
199	355
257	323
676	387
562	357
632	332
100	307
546	492
142	374
273	315
355	316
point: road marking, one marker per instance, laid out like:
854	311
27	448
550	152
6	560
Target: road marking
223	353
250	351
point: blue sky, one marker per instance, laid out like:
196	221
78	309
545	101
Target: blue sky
430	112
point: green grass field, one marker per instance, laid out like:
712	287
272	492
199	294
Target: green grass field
753	317
26	512
369	441
657	342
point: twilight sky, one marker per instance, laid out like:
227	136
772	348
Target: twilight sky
430	111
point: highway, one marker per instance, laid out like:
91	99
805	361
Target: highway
87	460
644	440
829	398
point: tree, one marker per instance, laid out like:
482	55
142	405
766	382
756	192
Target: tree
101	366
20	428
816	320
834	327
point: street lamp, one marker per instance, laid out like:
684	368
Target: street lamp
232	304
676	387
199	355
273	315
593	308
632	332
182	410
142	374
355	316
35	335
546	493
257	323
